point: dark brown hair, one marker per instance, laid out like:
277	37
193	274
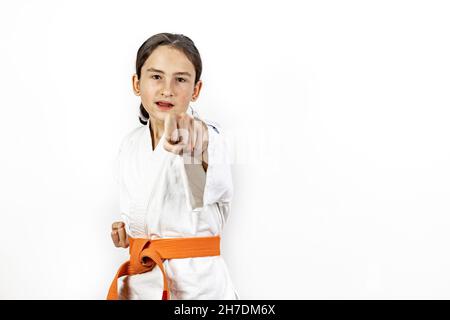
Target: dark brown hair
177	41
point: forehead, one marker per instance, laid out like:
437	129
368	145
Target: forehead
169	60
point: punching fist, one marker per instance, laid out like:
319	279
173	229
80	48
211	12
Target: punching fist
186	136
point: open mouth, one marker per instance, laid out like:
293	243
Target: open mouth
164	106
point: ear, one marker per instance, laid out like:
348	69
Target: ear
197	89
136	85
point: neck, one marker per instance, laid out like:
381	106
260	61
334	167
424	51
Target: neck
156	128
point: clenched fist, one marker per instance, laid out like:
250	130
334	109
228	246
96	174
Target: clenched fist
119	235
186	136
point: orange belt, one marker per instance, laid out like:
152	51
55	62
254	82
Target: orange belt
143	250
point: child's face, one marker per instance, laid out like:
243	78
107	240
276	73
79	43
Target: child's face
178	89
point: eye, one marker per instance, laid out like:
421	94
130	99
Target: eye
155	76
184	80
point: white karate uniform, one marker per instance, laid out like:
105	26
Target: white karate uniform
155	202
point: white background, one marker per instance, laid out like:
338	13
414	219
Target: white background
338	117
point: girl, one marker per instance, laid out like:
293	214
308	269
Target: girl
175	183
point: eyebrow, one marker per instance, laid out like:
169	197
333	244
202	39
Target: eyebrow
160	71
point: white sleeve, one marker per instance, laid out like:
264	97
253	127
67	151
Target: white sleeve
219	185
116	168
124	198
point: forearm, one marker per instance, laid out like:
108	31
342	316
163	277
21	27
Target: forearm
196	179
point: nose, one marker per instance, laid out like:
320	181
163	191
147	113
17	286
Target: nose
167	90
